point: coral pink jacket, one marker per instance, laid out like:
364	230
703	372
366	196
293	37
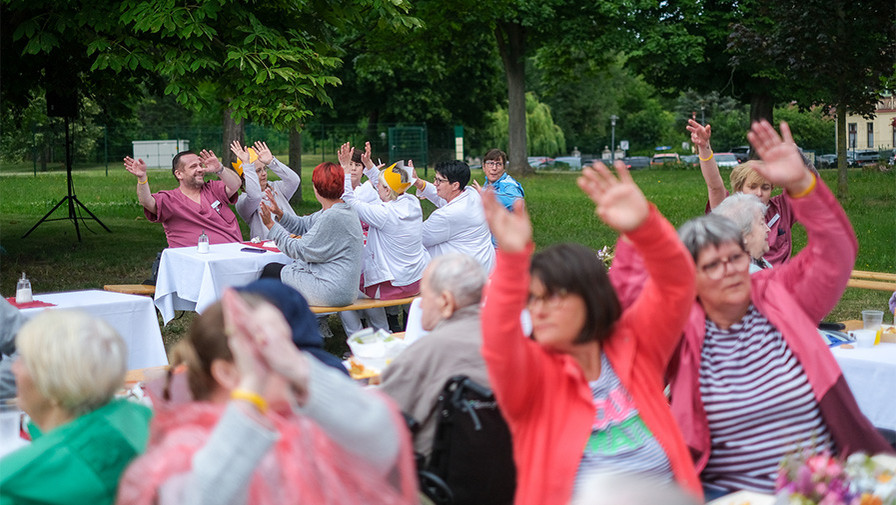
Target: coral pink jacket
545	396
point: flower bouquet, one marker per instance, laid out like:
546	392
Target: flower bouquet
605	255
821	479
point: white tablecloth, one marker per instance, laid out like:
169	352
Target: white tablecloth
191	281
134	317
871	375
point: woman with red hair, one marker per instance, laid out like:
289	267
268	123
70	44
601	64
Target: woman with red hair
327	254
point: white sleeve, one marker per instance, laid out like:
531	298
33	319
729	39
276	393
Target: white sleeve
430	193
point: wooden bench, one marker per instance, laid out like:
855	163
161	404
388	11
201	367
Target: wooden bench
132	289
878	281
363	303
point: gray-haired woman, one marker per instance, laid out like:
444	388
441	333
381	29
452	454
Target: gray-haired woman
753	382
70	365
748	213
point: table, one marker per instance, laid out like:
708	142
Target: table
871	374
134	317
188	280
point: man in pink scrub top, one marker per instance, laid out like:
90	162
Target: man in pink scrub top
195	206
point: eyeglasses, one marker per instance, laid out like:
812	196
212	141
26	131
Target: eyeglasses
715	270
438	180
494	164
548	300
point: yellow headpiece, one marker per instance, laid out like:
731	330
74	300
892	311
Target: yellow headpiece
392	175
238	164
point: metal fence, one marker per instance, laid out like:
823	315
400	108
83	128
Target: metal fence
43	148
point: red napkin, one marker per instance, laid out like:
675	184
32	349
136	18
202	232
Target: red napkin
261	245
30	305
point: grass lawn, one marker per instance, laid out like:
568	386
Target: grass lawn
54	260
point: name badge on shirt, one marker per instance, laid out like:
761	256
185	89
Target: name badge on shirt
217	206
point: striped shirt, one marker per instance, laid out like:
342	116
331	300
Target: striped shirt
759	404
620	442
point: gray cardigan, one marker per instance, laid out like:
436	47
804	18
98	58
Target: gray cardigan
328	256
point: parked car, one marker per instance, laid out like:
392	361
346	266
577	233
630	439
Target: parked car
862	158
690	160
891	160
663	158
826	161
727	160
636	162
540	161
571	162
742	153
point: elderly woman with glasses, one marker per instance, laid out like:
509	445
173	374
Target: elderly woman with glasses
753	382
585	394
748	213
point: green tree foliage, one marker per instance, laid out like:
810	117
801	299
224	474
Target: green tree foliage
583	99
833	53
443	74
813	130
728	117
543	136
688	48
267	61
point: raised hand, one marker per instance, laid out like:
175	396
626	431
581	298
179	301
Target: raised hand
782	163
365	156
136	167
699	134
264	154
241	152
476	184
512	230
344	154
239	326
210	161
274	207
620	203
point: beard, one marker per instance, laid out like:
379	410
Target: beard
193	182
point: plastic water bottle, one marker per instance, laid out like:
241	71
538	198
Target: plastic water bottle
23	290
202	248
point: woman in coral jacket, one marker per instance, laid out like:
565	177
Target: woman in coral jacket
585	395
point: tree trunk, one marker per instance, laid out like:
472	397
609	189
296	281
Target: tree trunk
295	161
370	135
232	131
761	107
842	185
511	38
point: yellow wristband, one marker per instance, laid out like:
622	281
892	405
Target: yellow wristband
807	190
251	397
143	182
711	154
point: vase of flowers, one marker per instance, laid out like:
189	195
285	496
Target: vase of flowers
822	479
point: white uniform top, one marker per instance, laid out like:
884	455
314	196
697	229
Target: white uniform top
458	226
394	250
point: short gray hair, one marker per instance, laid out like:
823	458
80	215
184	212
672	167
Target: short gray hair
74	359
460	275
709	230
743	209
